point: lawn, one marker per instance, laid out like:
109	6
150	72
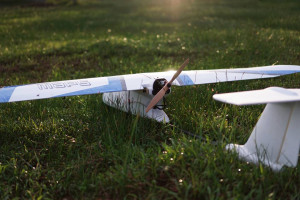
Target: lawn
78	148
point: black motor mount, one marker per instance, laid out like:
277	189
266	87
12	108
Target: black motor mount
158	85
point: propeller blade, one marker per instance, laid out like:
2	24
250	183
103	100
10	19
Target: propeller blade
157	97
179	70
163	90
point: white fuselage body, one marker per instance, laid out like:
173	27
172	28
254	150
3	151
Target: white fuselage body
135	102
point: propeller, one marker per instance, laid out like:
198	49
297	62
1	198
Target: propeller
163	90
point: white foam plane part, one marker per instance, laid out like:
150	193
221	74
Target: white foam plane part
275	140
133	92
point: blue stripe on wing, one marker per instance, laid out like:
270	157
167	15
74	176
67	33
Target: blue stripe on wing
267	72
5	93
115	84
184	79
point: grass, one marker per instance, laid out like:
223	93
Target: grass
78	148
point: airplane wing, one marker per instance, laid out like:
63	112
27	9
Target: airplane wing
137	82
268	95
225	75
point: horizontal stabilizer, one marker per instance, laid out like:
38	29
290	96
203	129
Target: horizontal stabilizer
268	95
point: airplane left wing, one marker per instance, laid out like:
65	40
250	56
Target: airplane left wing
136	82
70	88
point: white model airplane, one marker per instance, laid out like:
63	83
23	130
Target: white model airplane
139	93
275	140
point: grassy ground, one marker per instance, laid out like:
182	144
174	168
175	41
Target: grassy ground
77	148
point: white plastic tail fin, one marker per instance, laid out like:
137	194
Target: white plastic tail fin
275	140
